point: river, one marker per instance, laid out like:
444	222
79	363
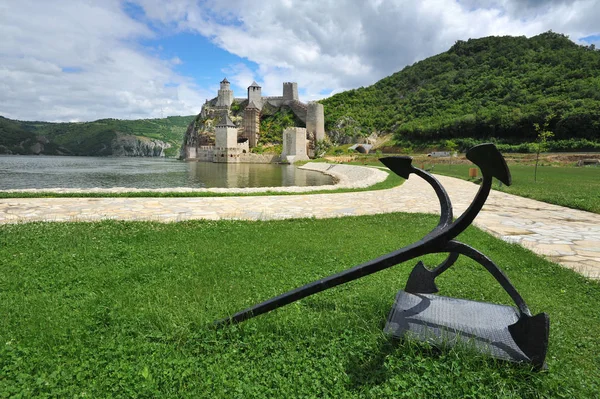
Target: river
40	172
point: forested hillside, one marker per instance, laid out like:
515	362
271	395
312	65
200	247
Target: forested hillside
482	88
88	138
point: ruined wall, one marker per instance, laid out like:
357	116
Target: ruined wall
294	144
273	101
299	109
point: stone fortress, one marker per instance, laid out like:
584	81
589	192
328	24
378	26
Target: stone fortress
227	127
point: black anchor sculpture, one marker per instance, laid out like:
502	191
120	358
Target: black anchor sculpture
502	331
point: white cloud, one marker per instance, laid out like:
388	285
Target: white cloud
338	44
78	60
75	59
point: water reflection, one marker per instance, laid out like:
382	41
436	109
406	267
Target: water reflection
88	172
252	175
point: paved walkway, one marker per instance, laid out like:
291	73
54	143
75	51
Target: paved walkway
566	236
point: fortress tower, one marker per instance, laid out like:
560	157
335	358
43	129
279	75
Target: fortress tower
225	94
225	133
315	120
254	95
252	124
290	91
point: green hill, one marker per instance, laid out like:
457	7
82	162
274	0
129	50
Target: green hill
88	138
494	87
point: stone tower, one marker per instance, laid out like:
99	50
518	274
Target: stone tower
225	133
315	120
252	124
290	91
254	95
225	94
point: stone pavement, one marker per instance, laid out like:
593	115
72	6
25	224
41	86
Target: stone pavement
566	236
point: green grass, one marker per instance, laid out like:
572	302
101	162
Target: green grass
391	181
116	309
577	188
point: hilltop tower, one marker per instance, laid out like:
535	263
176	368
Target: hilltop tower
252	124
315	120
290	91
254	95
225	95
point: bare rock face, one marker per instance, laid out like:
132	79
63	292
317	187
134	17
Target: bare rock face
37	148
137	146
201	130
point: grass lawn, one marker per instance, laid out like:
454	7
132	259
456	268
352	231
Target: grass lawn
577	188
125	309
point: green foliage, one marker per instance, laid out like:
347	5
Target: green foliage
543	134
235	107
89	138
117	309
321	147
272	126
480	88
14	138
505	146
450	145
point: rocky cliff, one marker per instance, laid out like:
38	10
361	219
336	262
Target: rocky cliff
138	146
104	137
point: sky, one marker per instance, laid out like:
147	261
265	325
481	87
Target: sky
82	60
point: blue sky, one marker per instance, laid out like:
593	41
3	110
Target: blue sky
72	60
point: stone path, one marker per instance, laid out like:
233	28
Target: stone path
566	236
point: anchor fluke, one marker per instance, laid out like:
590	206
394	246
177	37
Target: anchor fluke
490	161
402	166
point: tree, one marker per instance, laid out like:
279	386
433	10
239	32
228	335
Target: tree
543	134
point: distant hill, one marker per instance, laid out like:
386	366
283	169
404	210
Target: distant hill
481	88
142	137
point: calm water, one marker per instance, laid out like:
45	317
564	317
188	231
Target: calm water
87	172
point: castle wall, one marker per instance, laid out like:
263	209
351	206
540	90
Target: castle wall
274	101
299	109
205	153
191	152
226	155
230	155
315	120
